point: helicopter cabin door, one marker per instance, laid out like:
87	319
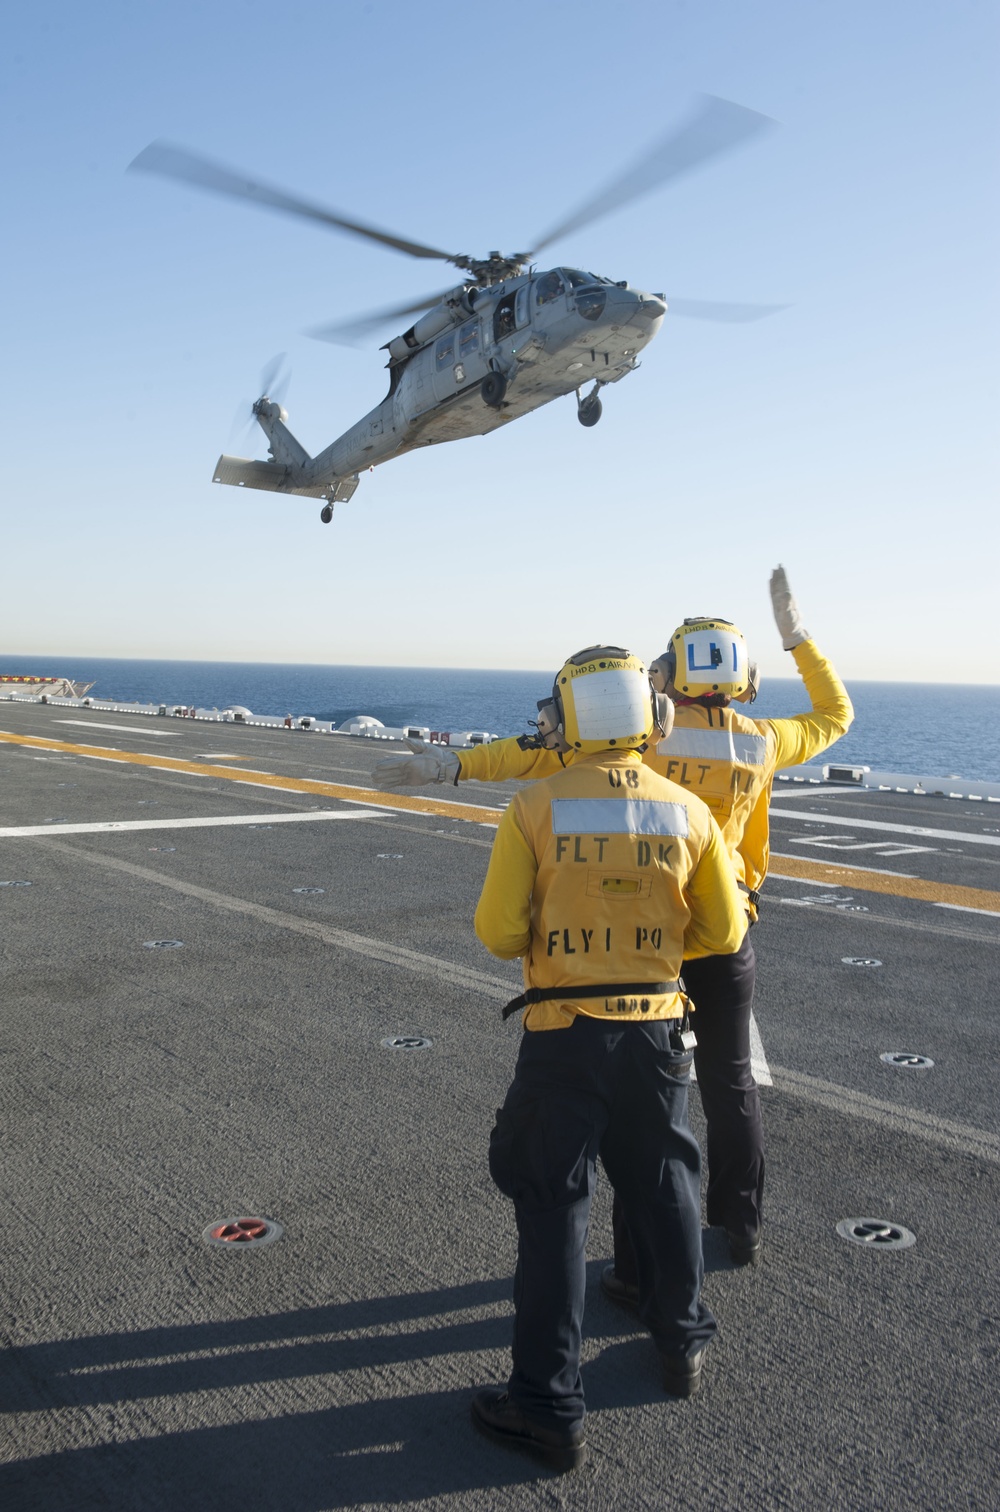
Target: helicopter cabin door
459	362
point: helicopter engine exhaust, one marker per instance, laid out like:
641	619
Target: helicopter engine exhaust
456	304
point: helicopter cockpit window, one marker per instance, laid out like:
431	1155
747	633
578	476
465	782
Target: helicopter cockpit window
446	351
578	279
468	338
549	287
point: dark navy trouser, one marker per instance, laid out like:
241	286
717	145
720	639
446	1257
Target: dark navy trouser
721	989
620	1089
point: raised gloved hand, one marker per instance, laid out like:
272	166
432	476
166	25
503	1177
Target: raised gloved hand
429	763
786	612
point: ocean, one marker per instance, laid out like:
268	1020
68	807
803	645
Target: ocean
932	730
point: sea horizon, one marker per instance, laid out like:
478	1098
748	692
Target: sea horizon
938	730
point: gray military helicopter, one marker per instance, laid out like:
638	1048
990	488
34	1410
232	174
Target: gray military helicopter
503	342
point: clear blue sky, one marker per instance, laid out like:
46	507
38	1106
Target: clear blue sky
852	437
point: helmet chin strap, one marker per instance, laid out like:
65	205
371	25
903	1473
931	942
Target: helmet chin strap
706	701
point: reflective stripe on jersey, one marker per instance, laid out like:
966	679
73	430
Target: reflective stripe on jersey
618	816
716	745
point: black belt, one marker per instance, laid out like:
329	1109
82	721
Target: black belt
609	989
751	893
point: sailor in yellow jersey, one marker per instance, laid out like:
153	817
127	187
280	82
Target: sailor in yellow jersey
727	759
602	879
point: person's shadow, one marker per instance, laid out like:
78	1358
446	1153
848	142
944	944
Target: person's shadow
402	1443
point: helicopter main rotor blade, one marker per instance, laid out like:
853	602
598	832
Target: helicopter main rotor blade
716	127
347	332
713	309
190	168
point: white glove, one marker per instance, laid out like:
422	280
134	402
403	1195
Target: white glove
786	612
430	763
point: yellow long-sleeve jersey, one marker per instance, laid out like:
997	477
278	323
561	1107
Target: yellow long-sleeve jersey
721	755
606	876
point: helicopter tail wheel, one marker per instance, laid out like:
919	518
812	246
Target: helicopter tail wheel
590	411
493	388
326	513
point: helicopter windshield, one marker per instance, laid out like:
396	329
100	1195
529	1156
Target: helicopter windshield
576	279
549	287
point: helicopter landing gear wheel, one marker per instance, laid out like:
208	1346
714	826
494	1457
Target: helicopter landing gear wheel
493	388
590	411
326	513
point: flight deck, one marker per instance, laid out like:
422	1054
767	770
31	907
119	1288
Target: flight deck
240	982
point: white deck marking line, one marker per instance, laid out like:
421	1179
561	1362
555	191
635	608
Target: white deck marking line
961	908
413	961
942	1131
32	831
758	1060
499	988
886	847
96	724
809	881
888	920
878	824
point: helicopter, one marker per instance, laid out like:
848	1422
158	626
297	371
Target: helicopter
504	341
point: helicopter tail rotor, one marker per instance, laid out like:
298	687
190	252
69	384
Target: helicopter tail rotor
275	376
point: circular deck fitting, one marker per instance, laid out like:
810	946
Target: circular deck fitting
242	1233
860	961
15	884
907	1060
407	1042
877	1233
162	944
161	847
852	907
309	889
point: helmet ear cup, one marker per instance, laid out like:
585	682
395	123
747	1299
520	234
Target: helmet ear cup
753	685
550	723
661	671
663	715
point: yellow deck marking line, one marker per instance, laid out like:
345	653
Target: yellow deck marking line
792	866
368	796
884	882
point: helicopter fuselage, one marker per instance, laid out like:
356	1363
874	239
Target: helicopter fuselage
474	362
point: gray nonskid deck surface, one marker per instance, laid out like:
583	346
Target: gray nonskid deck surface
148	1092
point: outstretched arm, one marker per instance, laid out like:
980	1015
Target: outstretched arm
496	762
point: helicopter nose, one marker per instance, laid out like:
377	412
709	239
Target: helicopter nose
653	308
632	307
648	310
